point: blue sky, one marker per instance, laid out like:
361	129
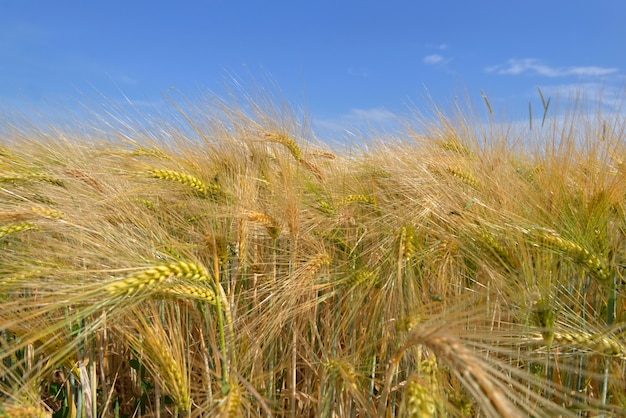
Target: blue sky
343	61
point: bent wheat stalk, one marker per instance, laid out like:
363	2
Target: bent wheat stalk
465	365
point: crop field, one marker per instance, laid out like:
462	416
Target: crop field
226	262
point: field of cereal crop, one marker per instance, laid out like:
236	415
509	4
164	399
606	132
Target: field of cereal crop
231	264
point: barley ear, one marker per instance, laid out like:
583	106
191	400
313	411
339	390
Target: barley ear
153	276
288	142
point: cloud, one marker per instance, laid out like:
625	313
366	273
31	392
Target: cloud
358	72
536	66
437	46
126	79
607	95
433	59
375	115
359	120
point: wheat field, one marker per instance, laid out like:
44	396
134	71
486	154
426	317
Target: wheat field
228	263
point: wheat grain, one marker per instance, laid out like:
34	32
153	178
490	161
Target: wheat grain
326	207
161	355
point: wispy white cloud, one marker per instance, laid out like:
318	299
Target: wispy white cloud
606	95
433	59
375	115
356	120
358	72
437	46
536	66
20	35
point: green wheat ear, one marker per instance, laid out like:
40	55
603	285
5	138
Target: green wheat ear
597	266
543	316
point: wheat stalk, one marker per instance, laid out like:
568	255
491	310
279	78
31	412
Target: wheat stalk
470	369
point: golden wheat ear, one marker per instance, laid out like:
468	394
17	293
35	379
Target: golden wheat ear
153	276
23	411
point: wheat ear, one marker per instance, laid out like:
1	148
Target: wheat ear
150	152
14	177
195	183
470	370
456	147
419	400
270	224
358	198
155	275
47	212
189	291
596	266
465	176
85	178
15	227
23	411
600	343
288	142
